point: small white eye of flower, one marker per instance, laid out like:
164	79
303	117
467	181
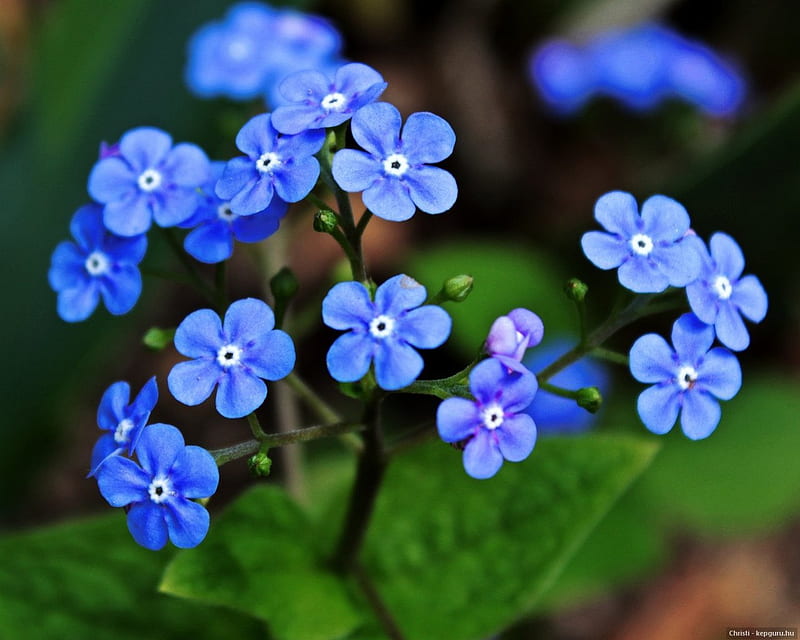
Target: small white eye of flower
149	180
229	355
381	326
641	244
396	164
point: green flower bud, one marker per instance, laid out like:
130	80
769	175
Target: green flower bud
325	221
284	284
590	399
260	464
457	288
158	339
576	289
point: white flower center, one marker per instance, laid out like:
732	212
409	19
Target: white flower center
722	287
229	355
641	244
687	376
160	489
492	416
268	162
149	180
122	433
224	212
96	263
334	102
395	165
381	327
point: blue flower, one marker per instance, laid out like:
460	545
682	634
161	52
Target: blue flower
688	379
513	334
556	414
274	164
98	264
159	492
721	296
123	420
216	226
562	74
148	179
394	173
385	331
493	424
316	102
651	250
235	355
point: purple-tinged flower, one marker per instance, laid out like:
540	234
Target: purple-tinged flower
314	101
274	164
98	264
562	74
513	334
721	295
652	250
385	332
493	425
159	492
394	173
122	419
688	379
235	354
148	179
215	225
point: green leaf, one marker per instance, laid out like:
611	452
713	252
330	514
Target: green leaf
158	339
89	579
744	477
460	558
262	557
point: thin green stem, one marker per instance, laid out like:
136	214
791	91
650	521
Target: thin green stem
375	601
255	428
558	391
322	409
609	355
363	221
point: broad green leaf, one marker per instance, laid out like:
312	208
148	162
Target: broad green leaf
262	557
459	558
89	579
744	478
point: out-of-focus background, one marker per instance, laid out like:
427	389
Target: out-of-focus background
709	537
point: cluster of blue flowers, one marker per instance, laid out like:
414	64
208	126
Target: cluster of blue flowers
657	249
640	67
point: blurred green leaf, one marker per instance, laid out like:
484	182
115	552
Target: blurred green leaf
262	558
89	579
157	339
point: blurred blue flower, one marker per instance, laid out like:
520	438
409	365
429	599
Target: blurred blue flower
98	264
215	226
394	173
313	101
124	420
689	379
274	164
387	331
511	335
148	179
159	492
721	296
651	250
493	425
556	414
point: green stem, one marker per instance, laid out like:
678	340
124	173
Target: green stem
558	391
321	408
610	355
363	221
255	427
382	612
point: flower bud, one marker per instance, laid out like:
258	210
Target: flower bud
260	464
590	399
457	288
576	289
284	284
158	339
325	221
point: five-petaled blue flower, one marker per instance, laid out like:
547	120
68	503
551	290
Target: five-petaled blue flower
274	164
235	355
123	420
721	296
493	424
652	251
98	264
314	101
510	336
394	173
148	180
216	225
159	492
688	379
385	331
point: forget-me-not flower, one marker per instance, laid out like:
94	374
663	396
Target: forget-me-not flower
494	424
149	179
651	250
394	172
721	295
386	331
122	419
98	264
233	355
215	226
511	335
314	101
159	492
689	379
274	164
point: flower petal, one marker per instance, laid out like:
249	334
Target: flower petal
272	357
211	242
144	147
112	179
260	225
187	522
121	289
376	128
518	390
482	457
187	165
239	393
485	380
158	447
664	219
194	474
720	374
516	437
294	182
389	198
642	276
130	216
256	195
397	365
425	327
349	357
700	415
147	525
103	448
727	255
238	174
456	419
652	359
67	267
730	327
680	262
618	213
703	301
427	138
347	306
692	338
257	136
302	86
751	299
432	189
354	170
193	381
605	250
658	407
300	146
199	334
399	293
175	206
121	481
247	320
77	304
294	118
112	405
